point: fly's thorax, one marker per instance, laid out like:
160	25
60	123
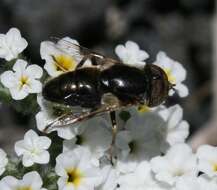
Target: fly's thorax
125	82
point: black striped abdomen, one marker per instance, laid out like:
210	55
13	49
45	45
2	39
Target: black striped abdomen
76	88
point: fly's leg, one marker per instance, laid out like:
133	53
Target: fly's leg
114	133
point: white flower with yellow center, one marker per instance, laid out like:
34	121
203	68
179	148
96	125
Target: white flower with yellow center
23	80
76	171
33	148
179	161
207	156
131	54
175	72
30	181
11	44
3	161
59	59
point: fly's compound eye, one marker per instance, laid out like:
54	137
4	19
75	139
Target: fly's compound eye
156	77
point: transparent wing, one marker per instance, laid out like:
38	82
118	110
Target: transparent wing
109	103
71	46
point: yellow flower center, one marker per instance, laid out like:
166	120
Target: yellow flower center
171	78
143	109
64	63
74	177
23	81
24	188
34	151
214	167
178	173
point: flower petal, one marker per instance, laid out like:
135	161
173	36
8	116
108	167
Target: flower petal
8	79
20	66
42	158
29	138
8	183
18	94
43	142
120	51
182	90
176	114
20	147
66	133
132	46
32	179
35	86
34	71
27	160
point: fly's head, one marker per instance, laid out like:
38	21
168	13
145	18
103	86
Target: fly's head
158	85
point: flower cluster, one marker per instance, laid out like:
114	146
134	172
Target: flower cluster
149	150
21	80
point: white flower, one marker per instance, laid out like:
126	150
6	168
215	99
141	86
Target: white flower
76	170
175	72
199	183
11	44
92	134
176	129
140	179
188	183
179	161
33	148
207	156
46	116
30	181
58	58
130	54
23	80
141	140
3	161
110	178
207	183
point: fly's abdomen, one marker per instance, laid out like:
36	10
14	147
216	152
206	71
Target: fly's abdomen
57	89
77	88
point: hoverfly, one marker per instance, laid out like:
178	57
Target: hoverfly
104	87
